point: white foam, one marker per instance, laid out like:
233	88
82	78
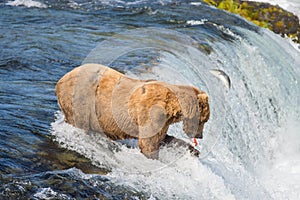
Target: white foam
283	174
196	22
27	3
48	193
187	178
196	3
176	173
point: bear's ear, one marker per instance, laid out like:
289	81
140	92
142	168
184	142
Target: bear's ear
203	97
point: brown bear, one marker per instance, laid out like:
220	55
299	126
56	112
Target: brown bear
96	97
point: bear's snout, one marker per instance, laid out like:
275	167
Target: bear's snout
199	135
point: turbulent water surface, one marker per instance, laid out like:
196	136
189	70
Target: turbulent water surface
251	144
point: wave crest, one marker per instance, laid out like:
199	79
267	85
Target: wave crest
27	3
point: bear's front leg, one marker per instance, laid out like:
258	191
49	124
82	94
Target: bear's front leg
150	143
149	146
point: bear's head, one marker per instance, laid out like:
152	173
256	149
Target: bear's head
193	124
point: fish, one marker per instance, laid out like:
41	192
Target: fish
222	76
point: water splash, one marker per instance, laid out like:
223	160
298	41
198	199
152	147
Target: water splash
27	3
244	133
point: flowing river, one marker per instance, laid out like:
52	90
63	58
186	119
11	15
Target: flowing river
251	144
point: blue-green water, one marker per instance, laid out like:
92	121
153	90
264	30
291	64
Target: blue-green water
251	147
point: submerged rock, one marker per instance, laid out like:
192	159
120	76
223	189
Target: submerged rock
265	15
53	157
